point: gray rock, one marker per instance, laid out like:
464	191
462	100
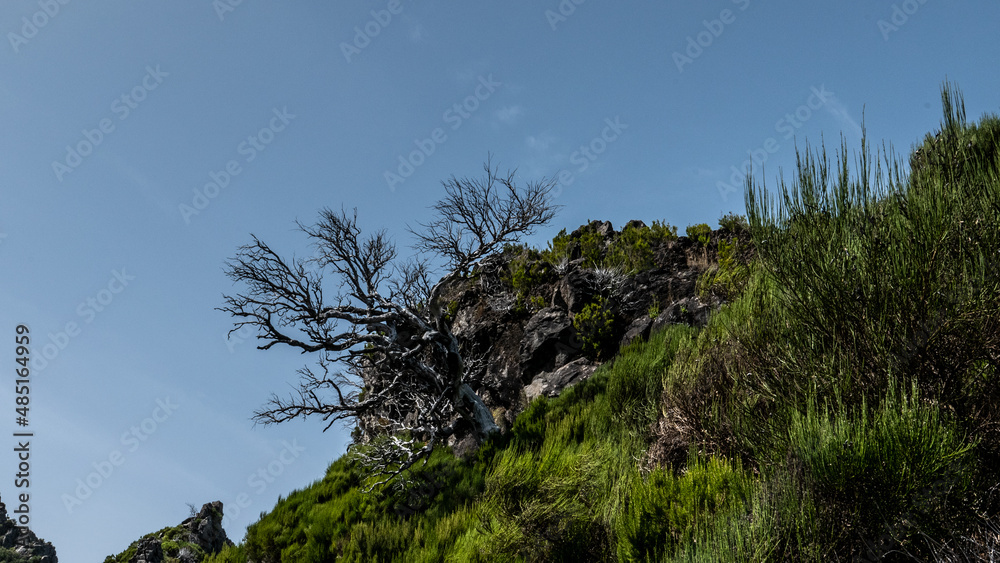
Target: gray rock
23	542
576	290
148	550
689	310
206	528
551	384
640	328
549	341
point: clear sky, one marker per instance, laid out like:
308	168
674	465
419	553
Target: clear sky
142	142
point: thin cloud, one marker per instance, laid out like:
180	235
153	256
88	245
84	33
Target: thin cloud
508	114
837	108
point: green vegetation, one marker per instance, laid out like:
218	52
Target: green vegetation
654	309
734	224
700	232
595	325
11	556
631	251
172	540
526	271
840	406
729	277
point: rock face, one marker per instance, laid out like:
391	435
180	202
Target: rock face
190	542
526	342
206	528
21	544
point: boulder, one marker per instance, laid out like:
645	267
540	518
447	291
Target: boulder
689	310
640	328
148	550
549	341
206	528
21	544
576	290
552	383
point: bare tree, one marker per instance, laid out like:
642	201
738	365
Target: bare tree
387	359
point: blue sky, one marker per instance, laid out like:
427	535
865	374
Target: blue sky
143	142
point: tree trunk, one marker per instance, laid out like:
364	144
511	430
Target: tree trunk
482	418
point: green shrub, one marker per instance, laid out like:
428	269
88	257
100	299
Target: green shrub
729	277
592	245
541	505
734	224
559	248
632	250
897	470
666	511
595	326
654	308
700	232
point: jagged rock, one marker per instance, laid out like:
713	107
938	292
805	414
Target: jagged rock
603	228
149	550
187	555
640	328
635	224
549	341
551	384
576	290
206	528
197	536
21	544
689	310
516	358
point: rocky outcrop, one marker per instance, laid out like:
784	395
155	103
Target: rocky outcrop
551	383
21	544
549	341
525	341
194	539
206	528
148	550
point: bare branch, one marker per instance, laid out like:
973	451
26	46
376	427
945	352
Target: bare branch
479	216
404	380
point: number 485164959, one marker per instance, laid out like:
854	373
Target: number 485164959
22	353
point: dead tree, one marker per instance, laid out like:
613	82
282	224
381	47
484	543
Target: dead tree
386	358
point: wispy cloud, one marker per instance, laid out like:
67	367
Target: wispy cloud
839	110
540	142
508	114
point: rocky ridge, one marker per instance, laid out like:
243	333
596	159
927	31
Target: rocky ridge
194	539
541	340
21	544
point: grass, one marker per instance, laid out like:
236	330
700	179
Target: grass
841	405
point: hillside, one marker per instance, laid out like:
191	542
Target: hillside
816	382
